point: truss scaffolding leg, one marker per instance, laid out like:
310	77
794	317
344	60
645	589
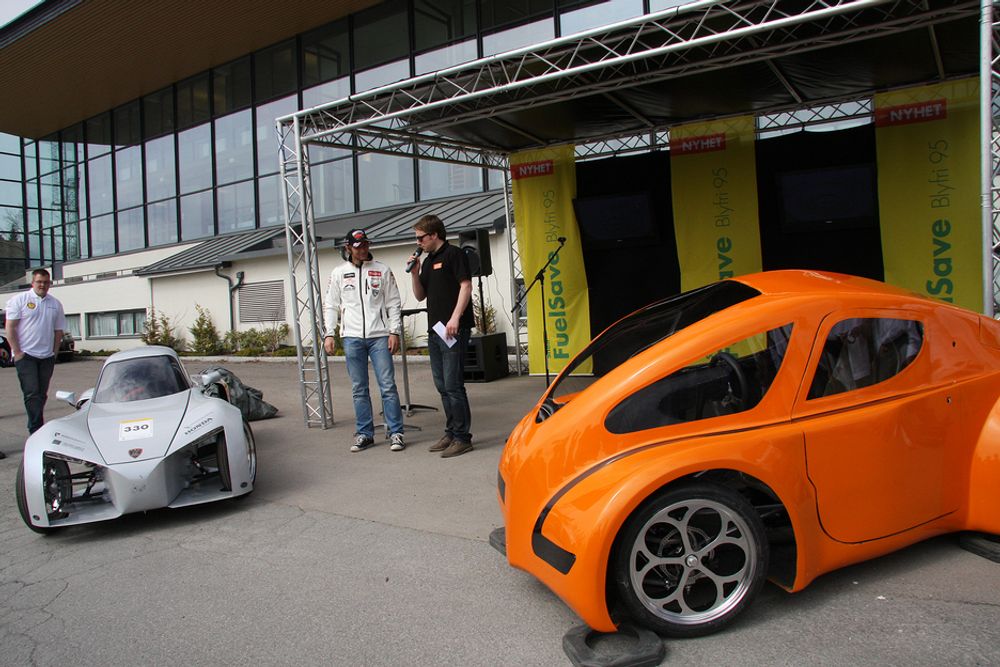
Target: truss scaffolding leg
303	277
989	101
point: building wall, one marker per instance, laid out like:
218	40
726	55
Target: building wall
198	159
177	296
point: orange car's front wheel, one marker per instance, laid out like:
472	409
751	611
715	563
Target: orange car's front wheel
690	560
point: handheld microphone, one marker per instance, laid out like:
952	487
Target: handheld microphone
561	239
413	260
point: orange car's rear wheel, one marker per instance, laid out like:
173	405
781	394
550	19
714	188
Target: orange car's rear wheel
690	560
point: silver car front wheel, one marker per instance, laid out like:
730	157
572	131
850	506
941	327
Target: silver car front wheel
689	560
57	489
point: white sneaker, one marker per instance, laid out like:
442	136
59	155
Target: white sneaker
397	444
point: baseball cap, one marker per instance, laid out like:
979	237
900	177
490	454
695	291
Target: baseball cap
355	238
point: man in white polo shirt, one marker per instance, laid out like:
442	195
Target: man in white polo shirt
35	324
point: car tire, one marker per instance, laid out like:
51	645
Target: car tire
222	457
251	450
981	544
22	494
691	529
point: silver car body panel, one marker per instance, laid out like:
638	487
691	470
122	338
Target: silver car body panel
143	452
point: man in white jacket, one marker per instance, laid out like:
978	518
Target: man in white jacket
363	297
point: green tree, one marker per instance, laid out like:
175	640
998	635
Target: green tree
253	342
205	337
157	330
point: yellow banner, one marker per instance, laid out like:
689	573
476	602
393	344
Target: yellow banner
927	140
544	185
714	185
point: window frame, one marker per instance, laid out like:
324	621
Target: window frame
138	323
828	363
636	412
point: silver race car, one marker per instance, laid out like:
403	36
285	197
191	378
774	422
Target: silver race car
146	436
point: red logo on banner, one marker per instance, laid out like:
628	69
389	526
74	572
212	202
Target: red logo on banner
703	144
531	169
918	112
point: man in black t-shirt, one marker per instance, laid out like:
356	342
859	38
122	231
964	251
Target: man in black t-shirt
445	281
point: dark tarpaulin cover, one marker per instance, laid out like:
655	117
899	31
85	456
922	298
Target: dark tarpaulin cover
248	399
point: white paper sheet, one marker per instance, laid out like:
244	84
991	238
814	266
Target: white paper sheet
441	330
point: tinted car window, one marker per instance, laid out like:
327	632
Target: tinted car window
860	352
731	380
139	379
648	326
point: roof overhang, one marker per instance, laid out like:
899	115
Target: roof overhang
385	227
67	60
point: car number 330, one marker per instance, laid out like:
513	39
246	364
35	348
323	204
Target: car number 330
135	429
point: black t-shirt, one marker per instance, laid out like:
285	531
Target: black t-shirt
440	274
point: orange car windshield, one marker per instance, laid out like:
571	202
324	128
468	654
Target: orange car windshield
648	326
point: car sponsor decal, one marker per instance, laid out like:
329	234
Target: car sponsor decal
135	429
191	429
63	440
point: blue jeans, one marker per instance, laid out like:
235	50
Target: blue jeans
34	375
448	371
357	352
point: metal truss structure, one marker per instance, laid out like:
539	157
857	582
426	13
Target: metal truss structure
989	104
304	278
767	124
438	116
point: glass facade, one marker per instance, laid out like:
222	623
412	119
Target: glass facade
12	223
381	35
440	22
199	158
326	54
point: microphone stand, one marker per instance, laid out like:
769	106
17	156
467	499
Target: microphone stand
540	278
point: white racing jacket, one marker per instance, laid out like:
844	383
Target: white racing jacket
364	300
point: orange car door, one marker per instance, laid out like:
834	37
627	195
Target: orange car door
876	430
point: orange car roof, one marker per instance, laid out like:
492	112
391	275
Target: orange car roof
819	282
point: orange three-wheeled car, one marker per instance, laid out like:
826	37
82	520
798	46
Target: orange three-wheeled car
778	425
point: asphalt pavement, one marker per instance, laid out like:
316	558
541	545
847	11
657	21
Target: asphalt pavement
382	558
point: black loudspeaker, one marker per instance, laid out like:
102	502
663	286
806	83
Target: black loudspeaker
476	245
486	358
